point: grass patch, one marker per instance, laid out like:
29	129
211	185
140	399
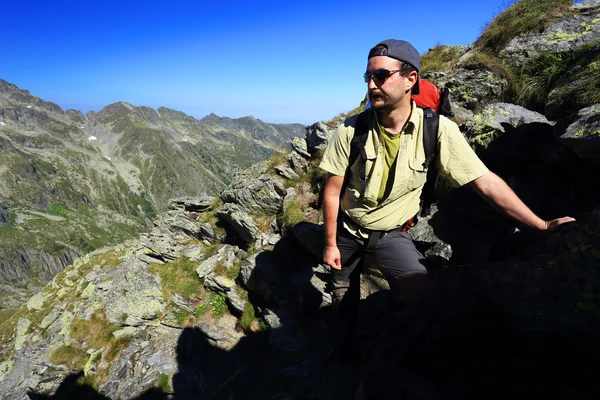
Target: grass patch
97	332
73	357
577	71
200	310
292	214
164	383
179	277
276	160
440	58
521	17
218	303
115	348
248	317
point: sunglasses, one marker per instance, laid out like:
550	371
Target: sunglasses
378	76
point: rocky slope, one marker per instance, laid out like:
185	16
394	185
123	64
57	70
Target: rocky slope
226	299
71	183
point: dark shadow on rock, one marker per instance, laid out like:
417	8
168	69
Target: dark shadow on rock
71	388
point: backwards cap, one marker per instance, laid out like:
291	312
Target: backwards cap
400	50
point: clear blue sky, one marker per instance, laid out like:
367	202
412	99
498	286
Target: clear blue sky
278	60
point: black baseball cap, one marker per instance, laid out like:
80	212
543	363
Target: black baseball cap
400	50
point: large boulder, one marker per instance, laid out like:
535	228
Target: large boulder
583	135
568	34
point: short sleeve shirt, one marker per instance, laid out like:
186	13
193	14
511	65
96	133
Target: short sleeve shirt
456	160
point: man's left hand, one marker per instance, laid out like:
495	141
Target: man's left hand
555	224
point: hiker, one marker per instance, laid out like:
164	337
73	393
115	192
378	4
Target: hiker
369	206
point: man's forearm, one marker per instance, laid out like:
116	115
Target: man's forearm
331	205
496	192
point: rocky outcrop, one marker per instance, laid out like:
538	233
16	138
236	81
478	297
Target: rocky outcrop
568	34
583	135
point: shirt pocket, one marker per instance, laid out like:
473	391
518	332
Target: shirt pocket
418	174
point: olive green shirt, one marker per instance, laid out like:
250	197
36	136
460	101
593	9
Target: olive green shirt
456	161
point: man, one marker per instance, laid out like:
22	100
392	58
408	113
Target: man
374	216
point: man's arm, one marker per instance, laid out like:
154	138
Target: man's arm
496	192
331	205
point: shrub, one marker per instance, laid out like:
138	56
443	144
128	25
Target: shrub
218	302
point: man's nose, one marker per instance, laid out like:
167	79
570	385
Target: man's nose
371	84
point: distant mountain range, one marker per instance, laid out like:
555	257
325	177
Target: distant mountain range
70	183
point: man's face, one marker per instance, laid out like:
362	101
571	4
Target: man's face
391	93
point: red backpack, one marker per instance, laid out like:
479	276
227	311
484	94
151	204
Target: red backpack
431	97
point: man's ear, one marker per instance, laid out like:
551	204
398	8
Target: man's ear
412	80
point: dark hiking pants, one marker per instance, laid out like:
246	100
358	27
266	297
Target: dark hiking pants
415	295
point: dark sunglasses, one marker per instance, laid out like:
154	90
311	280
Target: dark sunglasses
378	76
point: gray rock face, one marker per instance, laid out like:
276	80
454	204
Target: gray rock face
4	216
29	262
255	192
583	136
240	221
192	204
587	5
135	294
286	172
496	118
471	90
566	35
141	364
317	137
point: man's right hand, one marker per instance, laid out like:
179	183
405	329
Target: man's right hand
332	257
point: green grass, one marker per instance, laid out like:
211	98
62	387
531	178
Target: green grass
248	317
179	277
440	58
72	357
97	332
218	302
164	383
578	71
521	17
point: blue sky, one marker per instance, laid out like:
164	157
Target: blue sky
278	60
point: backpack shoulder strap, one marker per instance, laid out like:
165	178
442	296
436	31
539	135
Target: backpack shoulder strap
357	148
431	124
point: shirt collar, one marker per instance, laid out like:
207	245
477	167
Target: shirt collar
413	121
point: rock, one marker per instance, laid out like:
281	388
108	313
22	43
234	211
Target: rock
583	136
568	34
219	284
191	204
240	221
255	192
236	301
259	273
21	332
225	256
129	332
4	215
37	301
286	172
223	332
498	117
471	90
317	137
194	252
299	146
297	162
135	293
571	92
